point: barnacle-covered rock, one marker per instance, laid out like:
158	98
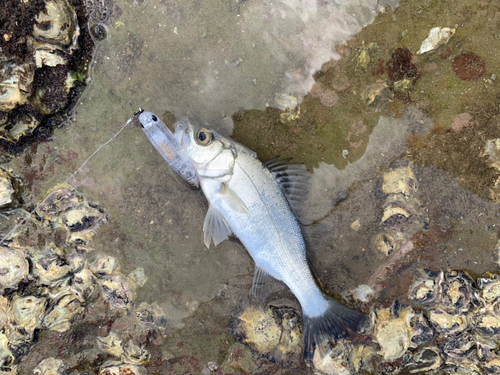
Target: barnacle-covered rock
260	329
50	366
119	291
151	316
28	312
59	319
427	290
393	331
448	324
13	267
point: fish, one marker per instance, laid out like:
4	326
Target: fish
163	139
257	202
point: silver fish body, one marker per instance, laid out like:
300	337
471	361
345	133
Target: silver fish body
245	199
162	138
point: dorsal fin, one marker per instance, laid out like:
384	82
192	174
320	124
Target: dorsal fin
292	179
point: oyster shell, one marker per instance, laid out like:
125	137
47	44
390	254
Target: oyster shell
490	289
68	209
486	320
125	369
49	265
457	292
400	181
104	265
425	360
50	366
448	324
15	84
6	356
10	189
13	267
427	290
84	285
393	331
335	361
457	350
60	317
57	25
135	354
111	344
119	291
151	316
260	329
27	312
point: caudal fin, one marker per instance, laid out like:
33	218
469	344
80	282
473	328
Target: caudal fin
332	324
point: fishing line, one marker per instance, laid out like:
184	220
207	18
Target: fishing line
22	221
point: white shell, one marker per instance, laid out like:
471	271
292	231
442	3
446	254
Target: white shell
437	36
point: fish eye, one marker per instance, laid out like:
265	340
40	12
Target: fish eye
154	118
203	137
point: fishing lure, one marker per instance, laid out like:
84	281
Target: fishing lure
167	145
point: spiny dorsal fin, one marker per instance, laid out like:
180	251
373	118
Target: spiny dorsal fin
293	180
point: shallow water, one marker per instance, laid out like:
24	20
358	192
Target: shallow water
225	63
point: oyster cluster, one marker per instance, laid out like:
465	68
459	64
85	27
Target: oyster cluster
403	215
44	56
49	287
452	327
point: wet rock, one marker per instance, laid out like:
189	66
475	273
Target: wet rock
239	358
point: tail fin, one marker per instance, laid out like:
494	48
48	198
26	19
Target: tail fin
332	324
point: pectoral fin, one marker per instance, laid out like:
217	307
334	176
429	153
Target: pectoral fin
215	227
231	198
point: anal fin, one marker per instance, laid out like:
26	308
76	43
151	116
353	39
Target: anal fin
262	280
